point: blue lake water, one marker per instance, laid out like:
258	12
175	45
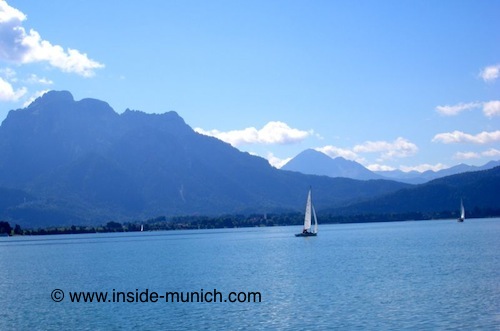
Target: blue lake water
403	275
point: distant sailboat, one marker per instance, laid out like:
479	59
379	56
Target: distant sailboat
142	227
310	213
462	212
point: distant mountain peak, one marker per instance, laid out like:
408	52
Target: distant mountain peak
313	162
313	153
52	97
60	106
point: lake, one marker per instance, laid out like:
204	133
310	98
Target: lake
377	276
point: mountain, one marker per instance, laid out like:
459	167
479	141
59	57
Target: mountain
313	162
414	177
479	190
80	162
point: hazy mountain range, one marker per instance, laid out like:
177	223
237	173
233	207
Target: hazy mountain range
79	162
415	177
479	190
313	162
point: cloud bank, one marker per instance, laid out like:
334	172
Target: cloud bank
490	108
456	109
274	132
21	47
492	152
399	148
461	137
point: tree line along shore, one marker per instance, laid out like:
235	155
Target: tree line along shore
163	223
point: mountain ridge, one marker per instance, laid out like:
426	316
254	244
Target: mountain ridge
415	177
79	162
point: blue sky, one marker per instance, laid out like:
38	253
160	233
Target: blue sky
410	85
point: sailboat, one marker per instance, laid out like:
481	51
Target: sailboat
310	213
462	212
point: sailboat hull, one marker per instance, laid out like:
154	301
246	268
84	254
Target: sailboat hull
308	234
460	220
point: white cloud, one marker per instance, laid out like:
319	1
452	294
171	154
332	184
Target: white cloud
34	79
18	46
277	162
490	73
492	152
466	155
455	109
7	92
281	133
424	167
461	137
491	108
400	147
333	152
379	167
8	13
274	132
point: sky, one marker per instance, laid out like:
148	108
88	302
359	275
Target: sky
408	85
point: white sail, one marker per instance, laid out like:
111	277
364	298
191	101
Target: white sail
462	210
307	218
315	220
